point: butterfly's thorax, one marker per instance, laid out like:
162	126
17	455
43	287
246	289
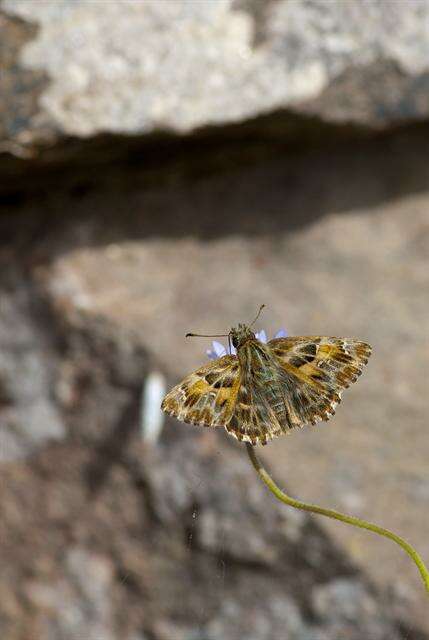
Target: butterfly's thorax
253	356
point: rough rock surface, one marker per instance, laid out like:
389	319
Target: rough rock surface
104	536
138	67
117	239
360	273
29	417
332	244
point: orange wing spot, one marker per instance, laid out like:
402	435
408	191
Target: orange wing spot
326	351
301	373
310	370
223	395
200	386
233	391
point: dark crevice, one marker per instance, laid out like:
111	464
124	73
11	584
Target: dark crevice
267	197
147	494
164	158
408	632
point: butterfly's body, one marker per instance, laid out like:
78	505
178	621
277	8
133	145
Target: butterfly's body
268	389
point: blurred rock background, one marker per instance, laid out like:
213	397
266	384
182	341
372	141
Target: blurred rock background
167	166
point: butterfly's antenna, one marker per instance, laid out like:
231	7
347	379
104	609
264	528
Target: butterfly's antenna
202	335
257	315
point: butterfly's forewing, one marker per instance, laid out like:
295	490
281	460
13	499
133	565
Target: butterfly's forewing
291	382
207	396
320	368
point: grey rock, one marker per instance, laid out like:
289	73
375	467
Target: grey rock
29	417
136	68
345	599
340	602
103	533
278	616
106	537
77	605
331	243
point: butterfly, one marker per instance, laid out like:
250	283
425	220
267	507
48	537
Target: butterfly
265	390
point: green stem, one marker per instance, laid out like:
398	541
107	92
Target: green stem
330	513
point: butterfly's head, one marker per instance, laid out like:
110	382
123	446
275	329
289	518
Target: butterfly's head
241	334
237	336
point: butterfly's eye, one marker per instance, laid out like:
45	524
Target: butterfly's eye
234	340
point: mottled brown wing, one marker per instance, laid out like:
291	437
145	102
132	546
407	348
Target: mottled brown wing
315	370
286	383
207	396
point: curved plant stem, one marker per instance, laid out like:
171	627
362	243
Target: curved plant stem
330	513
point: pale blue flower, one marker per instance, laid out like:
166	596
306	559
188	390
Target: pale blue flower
218	350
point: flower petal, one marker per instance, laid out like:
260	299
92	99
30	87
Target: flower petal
219	349
261	336
281	334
